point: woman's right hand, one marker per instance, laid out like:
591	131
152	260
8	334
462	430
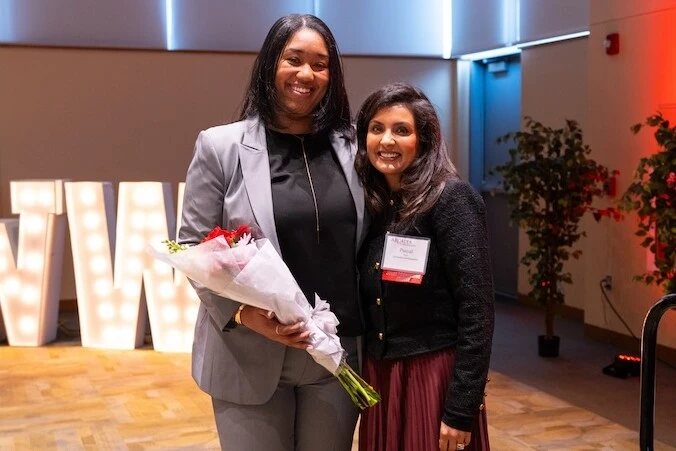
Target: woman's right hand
265	323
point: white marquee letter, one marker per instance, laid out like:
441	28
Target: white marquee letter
111	312
31	257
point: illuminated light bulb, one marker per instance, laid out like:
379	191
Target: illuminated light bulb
134	265
46	197
33	262
161	267
170	313
166	290
91	220
12	285
157	239
95	243
102	287
172	338
130	289
110	334
34	223
129	311
191	314
138	220
87	196
28	197
105	310
98	264
127	331
134	242
30	296
145	196
27	325
157	218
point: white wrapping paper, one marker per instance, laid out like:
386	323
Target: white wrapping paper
253	273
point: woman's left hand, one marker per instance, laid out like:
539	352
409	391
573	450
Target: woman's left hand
452	439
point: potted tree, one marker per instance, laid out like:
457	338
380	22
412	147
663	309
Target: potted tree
652	195
551	182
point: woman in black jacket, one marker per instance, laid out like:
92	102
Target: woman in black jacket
426	283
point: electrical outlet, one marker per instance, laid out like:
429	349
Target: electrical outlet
607	282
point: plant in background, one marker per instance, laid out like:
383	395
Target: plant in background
551	182
652	194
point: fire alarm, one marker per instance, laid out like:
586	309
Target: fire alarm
612	44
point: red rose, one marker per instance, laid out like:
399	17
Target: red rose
231	236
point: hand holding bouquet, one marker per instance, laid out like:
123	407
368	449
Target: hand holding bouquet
233	265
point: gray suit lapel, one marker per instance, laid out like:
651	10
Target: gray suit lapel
253	156
344	152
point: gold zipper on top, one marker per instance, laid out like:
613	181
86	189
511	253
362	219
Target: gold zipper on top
312	188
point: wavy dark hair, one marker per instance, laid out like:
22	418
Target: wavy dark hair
333	112
424	180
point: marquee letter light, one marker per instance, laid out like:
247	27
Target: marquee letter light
173	304
111	304
31	258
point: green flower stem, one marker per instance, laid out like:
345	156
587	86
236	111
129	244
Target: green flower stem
361	393
174	247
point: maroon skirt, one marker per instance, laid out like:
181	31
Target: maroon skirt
413	392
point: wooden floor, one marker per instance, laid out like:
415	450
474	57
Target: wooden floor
72	398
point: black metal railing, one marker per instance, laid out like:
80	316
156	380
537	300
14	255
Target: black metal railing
648	359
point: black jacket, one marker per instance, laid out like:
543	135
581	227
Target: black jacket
452	308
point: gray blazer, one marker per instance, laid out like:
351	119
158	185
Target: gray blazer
228	184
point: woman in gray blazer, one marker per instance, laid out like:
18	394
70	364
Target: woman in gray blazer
287	167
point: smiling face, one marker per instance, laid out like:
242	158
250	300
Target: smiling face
302	80
392	143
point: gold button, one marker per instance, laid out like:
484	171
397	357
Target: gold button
377	265
378	302
380	336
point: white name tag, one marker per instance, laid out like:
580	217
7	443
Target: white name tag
405	253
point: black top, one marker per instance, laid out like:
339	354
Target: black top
324	262
452	308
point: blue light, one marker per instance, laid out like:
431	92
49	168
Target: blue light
169	24
7	32
447	29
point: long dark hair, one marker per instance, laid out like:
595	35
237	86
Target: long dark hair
333	112
421	183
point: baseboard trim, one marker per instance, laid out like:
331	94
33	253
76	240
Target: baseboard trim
596	333
564	311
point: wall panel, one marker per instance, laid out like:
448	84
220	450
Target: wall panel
382	27
83	23
480	25
540	19
228	26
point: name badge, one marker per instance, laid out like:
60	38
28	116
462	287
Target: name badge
404	258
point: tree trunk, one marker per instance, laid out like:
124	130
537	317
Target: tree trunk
550	312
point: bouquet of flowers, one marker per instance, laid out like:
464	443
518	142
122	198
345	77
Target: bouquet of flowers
233	265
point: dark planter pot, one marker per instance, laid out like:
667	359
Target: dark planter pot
548	347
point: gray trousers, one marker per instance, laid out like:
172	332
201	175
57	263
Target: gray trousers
309	411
